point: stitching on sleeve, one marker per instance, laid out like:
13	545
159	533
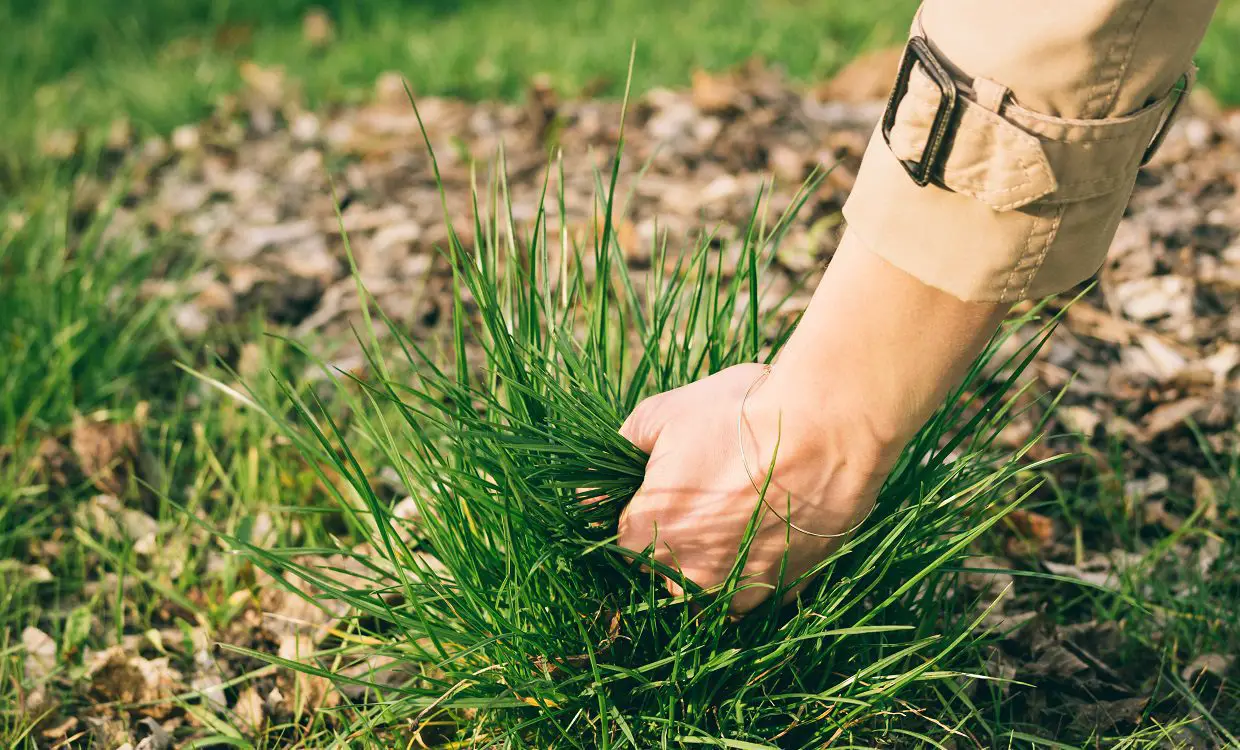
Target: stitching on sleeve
1046	247
1111	72
1007	284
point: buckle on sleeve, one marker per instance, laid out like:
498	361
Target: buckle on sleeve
918	51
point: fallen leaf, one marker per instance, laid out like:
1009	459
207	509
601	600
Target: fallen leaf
105	452
1032	525
157	738
117	675
1170	416
1085	319
984	575
249	708
312	691
716	93
317	28
1081	420
40	654
61	730
53	463
25	573
1108	715
867	77
1210	663
1056	661
1155	297
1097	569
1205	496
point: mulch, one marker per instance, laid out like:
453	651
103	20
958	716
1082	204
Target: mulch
1150	349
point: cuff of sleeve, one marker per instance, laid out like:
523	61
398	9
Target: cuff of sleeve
1023	205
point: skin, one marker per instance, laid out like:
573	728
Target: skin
873	357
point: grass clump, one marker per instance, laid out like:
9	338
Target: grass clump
79	335
511	617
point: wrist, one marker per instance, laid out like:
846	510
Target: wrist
821	420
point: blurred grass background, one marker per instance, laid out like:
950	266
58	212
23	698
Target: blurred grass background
162	63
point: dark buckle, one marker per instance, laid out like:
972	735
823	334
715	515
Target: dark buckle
918	51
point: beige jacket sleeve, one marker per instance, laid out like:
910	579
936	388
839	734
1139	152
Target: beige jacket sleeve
1027	123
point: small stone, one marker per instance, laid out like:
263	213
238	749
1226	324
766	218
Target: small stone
186	138
310	259
305	127
191	320
390	89
786	163
1155	297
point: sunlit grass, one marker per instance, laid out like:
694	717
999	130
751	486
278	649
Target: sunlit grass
518	620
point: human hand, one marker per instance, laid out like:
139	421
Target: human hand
697	499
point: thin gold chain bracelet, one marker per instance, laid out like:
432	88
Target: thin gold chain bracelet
740	442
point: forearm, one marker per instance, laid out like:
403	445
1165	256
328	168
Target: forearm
879	346
1054	108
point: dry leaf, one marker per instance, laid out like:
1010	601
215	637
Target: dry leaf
117	675
40	654
1170	416
1034	526
867	77
715	93
1097	569
249	708
1081	420
312	691
105	452
1085	319
317	28
61	731
1155	297
156	737
1108	715
981	576
1215	664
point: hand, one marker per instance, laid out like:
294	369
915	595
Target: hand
870	361
697	499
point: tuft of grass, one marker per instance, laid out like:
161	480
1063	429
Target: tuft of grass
77	332
510	614
78	337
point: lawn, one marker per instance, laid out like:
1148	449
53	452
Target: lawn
254	532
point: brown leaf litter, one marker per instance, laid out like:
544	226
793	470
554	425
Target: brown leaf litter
1151	348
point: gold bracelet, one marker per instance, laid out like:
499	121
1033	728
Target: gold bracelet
740	442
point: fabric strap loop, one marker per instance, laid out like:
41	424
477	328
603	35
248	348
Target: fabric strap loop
1007	156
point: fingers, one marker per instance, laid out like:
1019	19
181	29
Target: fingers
643	426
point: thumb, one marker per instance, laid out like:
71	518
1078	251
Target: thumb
643	426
